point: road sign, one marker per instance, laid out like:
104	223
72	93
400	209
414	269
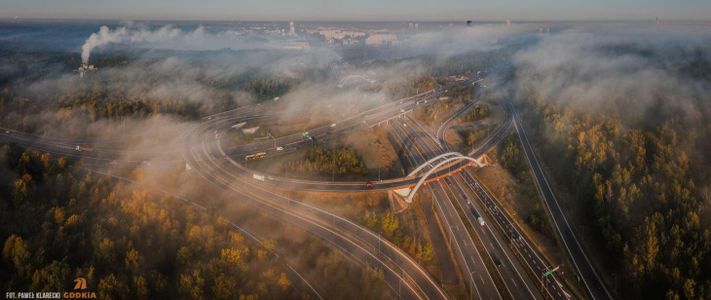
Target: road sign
550	271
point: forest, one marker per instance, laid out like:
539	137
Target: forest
322	161
646	203
620	119
59	221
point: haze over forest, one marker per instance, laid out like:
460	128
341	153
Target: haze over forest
618	113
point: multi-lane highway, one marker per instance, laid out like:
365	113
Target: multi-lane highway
495	260
455	191
407	278
368	118
520	247
471	265
533	264
382	115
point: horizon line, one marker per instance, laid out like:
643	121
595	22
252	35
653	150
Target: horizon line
652	19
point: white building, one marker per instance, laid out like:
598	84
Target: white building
381	38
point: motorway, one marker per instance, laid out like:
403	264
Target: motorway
381	115
472	268
518	265
455	191
593	283
407	278
365	119
105	151
520	247
403	275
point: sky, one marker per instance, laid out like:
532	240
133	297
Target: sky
359	10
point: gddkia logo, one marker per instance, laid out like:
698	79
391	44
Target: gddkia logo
80	283
79	286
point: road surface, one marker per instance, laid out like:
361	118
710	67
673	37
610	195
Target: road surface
400	271
588	274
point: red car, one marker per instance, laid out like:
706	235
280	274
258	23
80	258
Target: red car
369	185
84	147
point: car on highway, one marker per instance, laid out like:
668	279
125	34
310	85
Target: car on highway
496	260
476	214
279	148
84	147
369	185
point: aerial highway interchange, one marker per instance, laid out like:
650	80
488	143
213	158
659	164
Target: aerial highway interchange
493	258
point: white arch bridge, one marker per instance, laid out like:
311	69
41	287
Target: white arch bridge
355	78
434	164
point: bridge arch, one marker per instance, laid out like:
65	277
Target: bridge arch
429	162
429	172
355	77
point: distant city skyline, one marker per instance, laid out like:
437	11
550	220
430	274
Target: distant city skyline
362	10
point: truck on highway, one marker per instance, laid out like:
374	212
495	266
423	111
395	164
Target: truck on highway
84	148
258	177
476	214
254	156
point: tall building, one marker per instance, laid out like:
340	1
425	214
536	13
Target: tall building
292	30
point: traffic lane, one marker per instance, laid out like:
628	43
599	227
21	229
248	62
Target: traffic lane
361	120
583	265
217	173
470	259
431	147
462	237
517	281
525	251
520	284
465	268
399	257
442	128
395	183
474	263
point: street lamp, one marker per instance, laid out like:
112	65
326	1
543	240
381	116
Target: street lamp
273	139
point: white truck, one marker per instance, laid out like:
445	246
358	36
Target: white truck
258	177
476	214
